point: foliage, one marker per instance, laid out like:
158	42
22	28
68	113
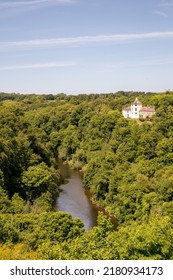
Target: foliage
127	164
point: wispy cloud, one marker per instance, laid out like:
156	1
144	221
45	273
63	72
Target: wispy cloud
41	65
160	13
149	62
166	4
32	3
83	40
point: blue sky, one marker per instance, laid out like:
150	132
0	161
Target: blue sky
86	46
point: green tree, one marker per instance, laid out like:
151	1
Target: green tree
37	180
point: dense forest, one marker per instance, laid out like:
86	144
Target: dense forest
127	166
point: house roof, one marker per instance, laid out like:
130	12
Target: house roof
127	108
136	102
147	109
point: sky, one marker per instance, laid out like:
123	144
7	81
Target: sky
86	46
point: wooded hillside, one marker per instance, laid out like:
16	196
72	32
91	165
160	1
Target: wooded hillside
127	164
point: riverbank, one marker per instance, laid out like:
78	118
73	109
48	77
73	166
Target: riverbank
76	199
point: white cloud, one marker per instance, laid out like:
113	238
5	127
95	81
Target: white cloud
149	62
32	3
98	39
167	4
41	65
160	13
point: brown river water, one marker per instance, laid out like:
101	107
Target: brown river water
73	198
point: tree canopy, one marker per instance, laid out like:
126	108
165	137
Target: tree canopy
127	165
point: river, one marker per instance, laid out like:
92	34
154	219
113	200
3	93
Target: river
74	199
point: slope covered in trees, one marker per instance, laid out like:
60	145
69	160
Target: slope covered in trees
127	164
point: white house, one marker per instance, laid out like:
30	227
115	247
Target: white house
136	111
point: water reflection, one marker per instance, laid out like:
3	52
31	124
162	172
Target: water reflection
73	198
